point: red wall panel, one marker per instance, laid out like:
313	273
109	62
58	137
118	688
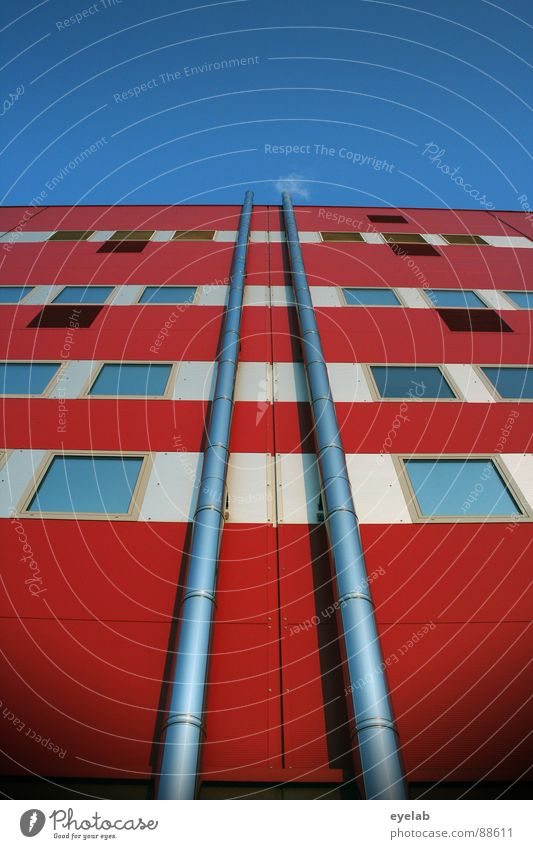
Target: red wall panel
91	687
460	694
125	217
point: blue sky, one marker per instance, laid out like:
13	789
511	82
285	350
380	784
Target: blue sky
350	102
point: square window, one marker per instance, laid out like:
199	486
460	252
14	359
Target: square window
454	298
333	236
124	247
387	219
193	236
371	297
463	239
524	300
131	379
460	487
26	378
424	383
413	249
65	316
132	235
473	321
84	484
83	295
168	295
71	235
13	294
514	382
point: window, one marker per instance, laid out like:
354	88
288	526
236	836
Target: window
193	236
460	488
66	316
83	295
463	239
83	484
515	382
524	300
71	235
416	382
26	378
131	379
124	247
387	219
371	297
168	295
473	321
413	249
333	236
454	298
13	294
131	235
408	238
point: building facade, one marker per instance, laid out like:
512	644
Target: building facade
111	324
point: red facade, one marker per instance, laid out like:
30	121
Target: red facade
85	663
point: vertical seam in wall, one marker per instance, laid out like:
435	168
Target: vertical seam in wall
275	493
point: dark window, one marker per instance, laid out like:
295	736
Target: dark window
70	235
416	382
335	236
66	316
477	321
413	250
124	247
387	219
463	239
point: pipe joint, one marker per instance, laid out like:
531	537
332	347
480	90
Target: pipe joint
208	596
344	599
374	722
184	719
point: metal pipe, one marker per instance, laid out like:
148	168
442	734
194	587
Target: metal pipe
184	725
369	701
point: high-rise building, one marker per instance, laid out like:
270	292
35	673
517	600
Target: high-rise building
113	320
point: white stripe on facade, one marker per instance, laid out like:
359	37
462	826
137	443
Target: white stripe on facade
496	300
16	476
74	379
273	236
469	383
194	380
520	467
171	492
324	297
125	295
42	294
